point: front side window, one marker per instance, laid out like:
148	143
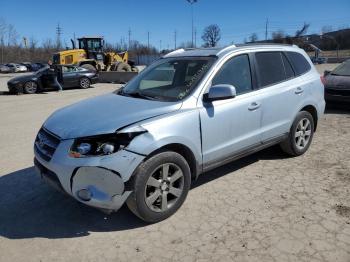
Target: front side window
235	72
171	79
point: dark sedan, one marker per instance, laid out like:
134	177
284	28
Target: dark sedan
337	83
73	76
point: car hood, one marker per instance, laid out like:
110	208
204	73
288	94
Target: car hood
337	81
23	78
104	114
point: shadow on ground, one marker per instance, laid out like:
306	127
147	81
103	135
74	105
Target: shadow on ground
29	208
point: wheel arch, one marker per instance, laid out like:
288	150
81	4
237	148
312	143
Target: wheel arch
313	111
184	151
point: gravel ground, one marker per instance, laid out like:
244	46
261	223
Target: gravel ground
265	207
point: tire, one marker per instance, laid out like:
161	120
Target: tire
84	82
30	87
300	135
154	198
89	67
123	67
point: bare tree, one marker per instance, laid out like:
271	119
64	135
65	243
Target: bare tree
253	37
302	31
211	35
12	36
278	36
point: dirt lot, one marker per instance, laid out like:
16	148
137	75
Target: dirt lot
265	207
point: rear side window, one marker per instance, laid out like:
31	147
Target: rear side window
270	68
300	64
236	72
287	67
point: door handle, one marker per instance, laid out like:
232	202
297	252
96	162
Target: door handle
298	91
253	106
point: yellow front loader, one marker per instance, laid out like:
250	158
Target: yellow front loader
90	54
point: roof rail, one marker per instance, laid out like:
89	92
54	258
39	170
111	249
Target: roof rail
227	48
253	44
177	51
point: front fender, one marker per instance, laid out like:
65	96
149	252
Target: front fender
177	128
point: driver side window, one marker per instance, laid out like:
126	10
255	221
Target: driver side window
236	72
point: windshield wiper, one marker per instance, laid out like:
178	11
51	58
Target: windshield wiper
137	95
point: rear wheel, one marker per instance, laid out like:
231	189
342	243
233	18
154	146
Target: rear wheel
89	67
160	186
84	82
300	135
30	87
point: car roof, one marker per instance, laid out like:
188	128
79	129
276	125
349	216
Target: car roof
219	52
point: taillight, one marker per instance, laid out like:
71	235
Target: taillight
323	80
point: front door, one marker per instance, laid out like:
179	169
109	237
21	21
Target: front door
231	126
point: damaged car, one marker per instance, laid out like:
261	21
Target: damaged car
189	112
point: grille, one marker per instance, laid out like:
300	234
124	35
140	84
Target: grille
46	144
338	92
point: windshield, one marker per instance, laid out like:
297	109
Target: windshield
343	69
170	79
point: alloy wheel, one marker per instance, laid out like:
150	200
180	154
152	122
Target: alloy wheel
84	83
164	187
303	133
30	87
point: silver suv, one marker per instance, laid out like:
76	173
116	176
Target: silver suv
189	112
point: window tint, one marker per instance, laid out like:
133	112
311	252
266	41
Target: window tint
235	72
270	68
300	64
287	67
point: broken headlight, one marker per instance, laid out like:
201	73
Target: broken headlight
102	144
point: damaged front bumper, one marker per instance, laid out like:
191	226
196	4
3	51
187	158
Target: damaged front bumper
98	181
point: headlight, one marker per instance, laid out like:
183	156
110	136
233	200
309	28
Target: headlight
102	144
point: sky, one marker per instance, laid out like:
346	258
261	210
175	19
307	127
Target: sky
161	18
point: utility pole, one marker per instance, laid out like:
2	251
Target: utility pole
148	39
191	3
266	25
160	46
175	38
58	34
129	34
195	37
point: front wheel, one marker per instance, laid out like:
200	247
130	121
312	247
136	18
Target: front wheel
300	135
84	82
30	87
160	186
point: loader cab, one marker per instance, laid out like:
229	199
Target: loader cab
93	47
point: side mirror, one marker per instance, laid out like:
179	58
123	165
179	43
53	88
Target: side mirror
326	72
220	92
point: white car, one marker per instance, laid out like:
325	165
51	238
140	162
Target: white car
187	113
17	68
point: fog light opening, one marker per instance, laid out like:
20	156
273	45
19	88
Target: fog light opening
85	194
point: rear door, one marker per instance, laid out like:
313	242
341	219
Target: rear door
281	93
